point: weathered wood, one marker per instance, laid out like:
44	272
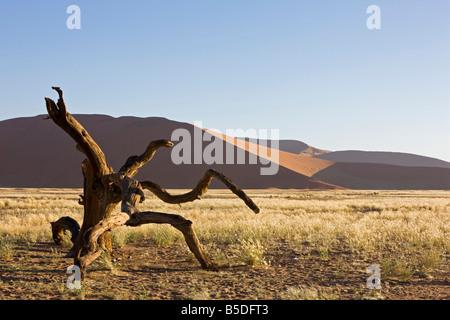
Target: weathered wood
134	163
131	197
180	223
103	190
97	200
58	113
199	190
63	224
93	250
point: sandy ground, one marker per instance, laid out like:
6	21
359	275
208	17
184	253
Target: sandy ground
145	271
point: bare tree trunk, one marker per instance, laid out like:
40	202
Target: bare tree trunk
104	190
98	198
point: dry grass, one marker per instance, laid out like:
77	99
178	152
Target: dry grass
362	221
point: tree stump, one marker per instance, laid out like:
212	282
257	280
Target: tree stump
104	189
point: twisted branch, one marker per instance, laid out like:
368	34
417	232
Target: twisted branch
199	190
134	163
63	224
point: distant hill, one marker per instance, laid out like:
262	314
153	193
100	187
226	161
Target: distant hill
383	176
291	146
393	158
37	153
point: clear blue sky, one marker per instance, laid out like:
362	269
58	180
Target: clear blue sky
309	68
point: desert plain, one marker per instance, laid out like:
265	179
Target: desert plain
303	245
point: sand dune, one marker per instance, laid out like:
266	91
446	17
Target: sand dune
291	146
393	158
383	176
37	153
300	163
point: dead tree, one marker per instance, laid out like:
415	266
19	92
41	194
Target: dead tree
104	189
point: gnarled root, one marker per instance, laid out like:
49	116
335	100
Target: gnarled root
91	238
63	224
131	216
180	223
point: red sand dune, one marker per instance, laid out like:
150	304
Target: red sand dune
37	153
300	163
